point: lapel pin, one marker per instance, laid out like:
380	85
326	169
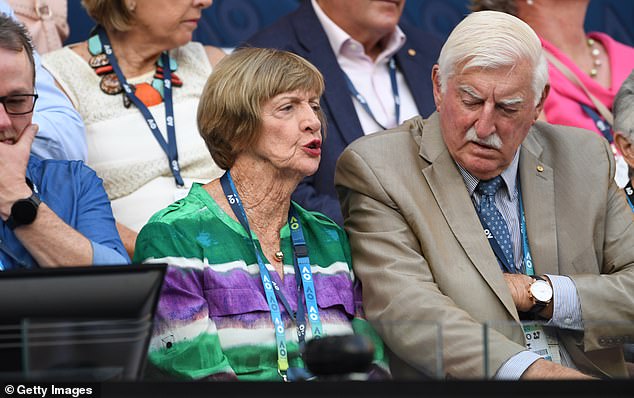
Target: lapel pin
411	52
540	168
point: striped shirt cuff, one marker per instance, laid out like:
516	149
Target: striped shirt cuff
515	366
567	309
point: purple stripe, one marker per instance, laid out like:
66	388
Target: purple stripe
187	292
262	319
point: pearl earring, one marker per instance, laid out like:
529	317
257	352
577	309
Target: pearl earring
530	2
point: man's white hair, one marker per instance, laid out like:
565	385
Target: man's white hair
492	40
623	109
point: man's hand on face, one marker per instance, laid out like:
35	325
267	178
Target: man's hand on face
13	160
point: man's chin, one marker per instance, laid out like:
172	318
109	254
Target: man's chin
483	168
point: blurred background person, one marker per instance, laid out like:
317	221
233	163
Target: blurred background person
232	240
45	20
580	64
376	71
624	130
144	145
61	134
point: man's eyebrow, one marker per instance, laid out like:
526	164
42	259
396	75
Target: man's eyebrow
21	91
504	102
511	101
470	91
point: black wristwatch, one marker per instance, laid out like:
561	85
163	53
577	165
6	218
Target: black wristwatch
24	211
541	293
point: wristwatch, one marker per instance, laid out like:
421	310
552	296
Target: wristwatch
24	211
541	293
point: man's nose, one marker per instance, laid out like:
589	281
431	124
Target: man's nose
485	125
5	119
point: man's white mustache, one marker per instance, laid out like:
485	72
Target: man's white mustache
493	141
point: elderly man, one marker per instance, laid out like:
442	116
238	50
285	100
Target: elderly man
375	71
624	127
53	212
481	216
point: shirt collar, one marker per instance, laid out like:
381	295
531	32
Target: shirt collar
509	175
340	40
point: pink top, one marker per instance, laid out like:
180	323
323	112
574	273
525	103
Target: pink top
563	103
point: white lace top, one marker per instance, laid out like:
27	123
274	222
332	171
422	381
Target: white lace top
121	147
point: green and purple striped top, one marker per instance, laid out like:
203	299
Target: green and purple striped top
213	320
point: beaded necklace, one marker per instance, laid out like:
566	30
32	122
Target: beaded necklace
149	94
595	53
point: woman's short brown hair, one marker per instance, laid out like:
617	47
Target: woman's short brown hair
111	14
229	112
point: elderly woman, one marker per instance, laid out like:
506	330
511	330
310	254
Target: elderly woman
136	82
576	58
253	274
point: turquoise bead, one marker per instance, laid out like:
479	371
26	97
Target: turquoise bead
94	45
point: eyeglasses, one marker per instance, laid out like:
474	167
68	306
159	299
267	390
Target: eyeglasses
19	104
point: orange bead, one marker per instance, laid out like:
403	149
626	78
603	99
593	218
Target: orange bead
148	94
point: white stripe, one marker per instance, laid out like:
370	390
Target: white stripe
235	337
183	262
185	332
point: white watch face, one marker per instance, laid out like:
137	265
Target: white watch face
541	291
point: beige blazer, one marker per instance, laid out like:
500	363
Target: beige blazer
420	251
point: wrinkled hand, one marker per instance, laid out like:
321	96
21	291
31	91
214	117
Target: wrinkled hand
13	161
518	284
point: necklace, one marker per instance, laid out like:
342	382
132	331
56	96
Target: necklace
279	256
595	52
149	94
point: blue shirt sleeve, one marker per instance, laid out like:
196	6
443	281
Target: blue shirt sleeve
6	9
95	221
62	134
102	255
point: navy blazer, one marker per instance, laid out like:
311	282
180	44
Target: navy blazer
300	32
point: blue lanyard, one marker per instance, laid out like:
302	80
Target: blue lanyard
168	147
271	289
302	268
527	259
602	125
629	194
397	99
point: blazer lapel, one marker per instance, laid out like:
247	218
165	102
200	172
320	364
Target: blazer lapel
336	98
452	196
413	65
538	195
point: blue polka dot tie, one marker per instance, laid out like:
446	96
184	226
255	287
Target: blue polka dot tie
490	214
